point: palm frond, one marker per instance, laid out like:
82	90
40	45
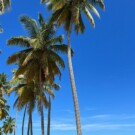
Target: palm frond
89	16
30	25
93	9
61	49
22	41
41	20
55	57
18	56
55	40
81	24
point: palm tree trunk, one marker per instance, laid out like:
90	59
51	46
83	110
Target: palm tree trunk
41	102
31	127
73	85
15	122
28	130
23	120
49	116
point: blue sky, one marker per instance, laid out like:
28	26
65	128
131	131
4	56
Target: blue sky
104	66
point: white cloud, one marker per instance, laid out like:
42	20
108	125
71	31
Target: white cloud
99	123
103	126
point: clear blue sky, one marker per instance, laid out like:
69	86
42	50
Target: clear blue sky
104	66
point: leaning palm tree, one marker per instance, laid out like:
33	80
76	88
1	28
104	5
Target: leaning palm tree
8	126
39	61
69	14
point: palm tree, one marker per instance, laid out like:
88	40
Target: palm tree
3	109
49	89
27	97
8	126
69	14
39	61
4	85
1	131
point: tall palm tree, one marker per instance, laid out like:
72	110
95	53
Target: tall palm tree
27	97
49	89
69	14
8	126
39	61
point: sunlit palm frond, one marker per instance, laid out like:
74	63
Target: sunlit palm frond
89	16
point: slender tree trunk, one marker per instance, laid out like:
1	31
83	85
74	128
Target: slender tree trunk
15	122
31	128
23	120
28	130
41	103
72	80
49	116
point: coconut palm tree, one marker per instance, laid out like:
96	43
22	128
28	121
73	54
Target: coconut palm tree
39	61
27	97
69	14
8	126
4	85
49	89
3	109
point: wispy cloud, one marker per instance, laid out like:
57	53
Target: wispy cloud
100	122
102	126
112	116
66	110
88	127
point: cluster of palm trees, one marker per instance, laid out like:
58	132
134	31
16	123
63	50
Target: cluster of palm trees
40	62
8	124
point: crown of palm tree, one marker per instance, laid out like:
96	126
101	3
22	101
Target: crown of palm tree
3	109
67	12
41	48
8	125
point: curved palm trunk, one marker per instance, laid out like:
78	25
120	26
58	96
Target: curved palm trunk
74	92
41	103
49	116
23	120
